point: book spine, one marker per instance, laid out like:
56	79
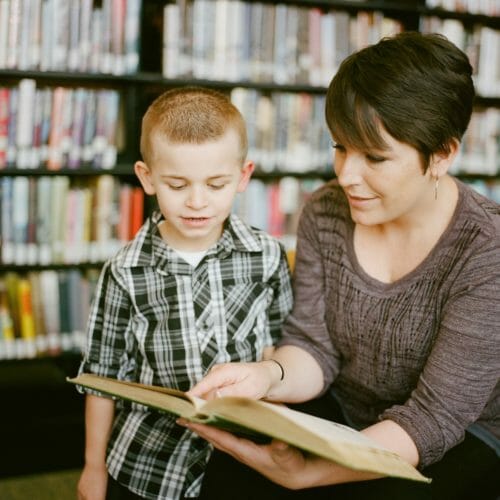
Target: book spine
55	152
132	35
20	216
60	188
84	41
12	128
73	60
24	136
4	125
8	245
49	283
31	242
4	31
75	152
125	210
137	209
96	40
44	222
111	107
7	336
13	36
117	42
27	323
38	316
171	40
35	35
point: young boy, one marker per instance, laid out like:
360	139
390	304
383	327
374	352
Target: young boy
196	287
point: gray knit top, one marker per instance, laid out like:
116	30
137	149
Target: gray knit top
423	351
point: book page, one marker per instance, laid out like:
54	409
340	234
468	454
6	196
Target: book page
312	434
161	398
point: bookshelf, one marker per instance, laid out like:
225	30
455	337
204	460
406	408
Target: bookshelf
268	59
281	96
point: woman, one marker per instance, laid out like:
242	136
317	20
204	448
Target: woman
396	320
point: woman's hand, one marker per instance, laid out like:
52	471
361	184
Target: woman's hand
277	461
251	380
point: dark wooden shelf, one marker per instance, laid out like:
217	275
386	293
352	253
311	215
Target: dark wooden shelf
24	268
86	171
43	428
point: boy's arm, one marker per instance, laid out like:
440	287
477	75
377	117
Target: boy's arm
99	414
282	302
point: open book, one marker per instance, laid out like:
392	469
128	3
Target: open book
259	420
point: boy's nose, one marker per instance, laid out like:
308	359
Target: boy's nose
197	198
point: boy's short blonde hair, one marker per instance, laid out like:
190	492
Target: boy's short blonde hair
191	115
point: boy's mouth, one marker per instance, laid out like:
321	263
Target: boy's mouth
195	221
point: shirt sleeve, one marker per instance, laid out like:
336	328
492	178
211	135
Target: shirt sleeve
108	340
306	326
463	368
282	296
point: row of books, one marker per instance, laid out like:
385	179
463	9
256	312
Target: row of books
70	35
480	147
480	43
275	206
488	188
56	127
45	312
57	220
235	40
286	131
486	7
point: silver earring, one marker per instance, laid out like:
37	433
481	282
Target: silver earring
436	188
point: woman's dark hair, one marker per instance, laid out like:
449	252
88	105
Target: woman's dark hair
417	86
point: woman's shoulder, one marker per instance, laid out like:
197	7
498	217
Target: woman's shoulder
482	212
326	215
329	199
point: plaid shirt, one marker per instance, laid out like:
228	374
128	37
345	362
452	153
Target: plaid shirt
157	320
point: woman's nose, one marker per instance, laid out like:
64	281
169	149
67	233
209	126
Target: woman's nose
348	169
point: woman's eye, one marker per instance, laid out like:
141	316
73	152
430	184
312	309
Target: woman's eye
375	158
176	187
338	147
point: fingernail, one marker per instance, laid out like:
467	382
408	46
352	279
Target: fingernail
182	422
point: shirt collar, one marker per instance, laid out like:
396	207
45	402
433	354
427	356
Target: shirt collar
149	249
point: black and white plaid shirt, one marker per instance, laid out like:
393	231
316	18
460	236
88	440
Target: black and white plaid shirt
157	320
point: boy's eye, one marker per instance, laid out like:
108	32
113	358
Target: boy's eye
216	186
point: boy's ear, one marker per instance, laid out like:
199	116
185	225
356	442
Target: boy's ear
246	173
442	160
144	175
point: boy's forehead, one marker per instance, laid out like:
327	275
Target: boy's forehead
210	158
229	138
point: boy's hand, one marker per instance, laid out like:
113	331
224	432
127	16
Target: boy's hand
251	380
93	483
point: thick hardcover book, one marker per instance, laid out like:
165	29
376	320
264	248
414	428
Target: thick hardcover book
261	420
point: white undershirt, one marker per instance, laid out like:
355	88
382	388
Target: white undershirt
192	258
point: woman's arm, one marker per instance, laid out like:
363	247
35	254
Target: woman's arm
99	413
302	380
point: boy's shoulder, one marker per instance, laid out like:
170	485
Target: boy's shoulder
138	251
250	238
